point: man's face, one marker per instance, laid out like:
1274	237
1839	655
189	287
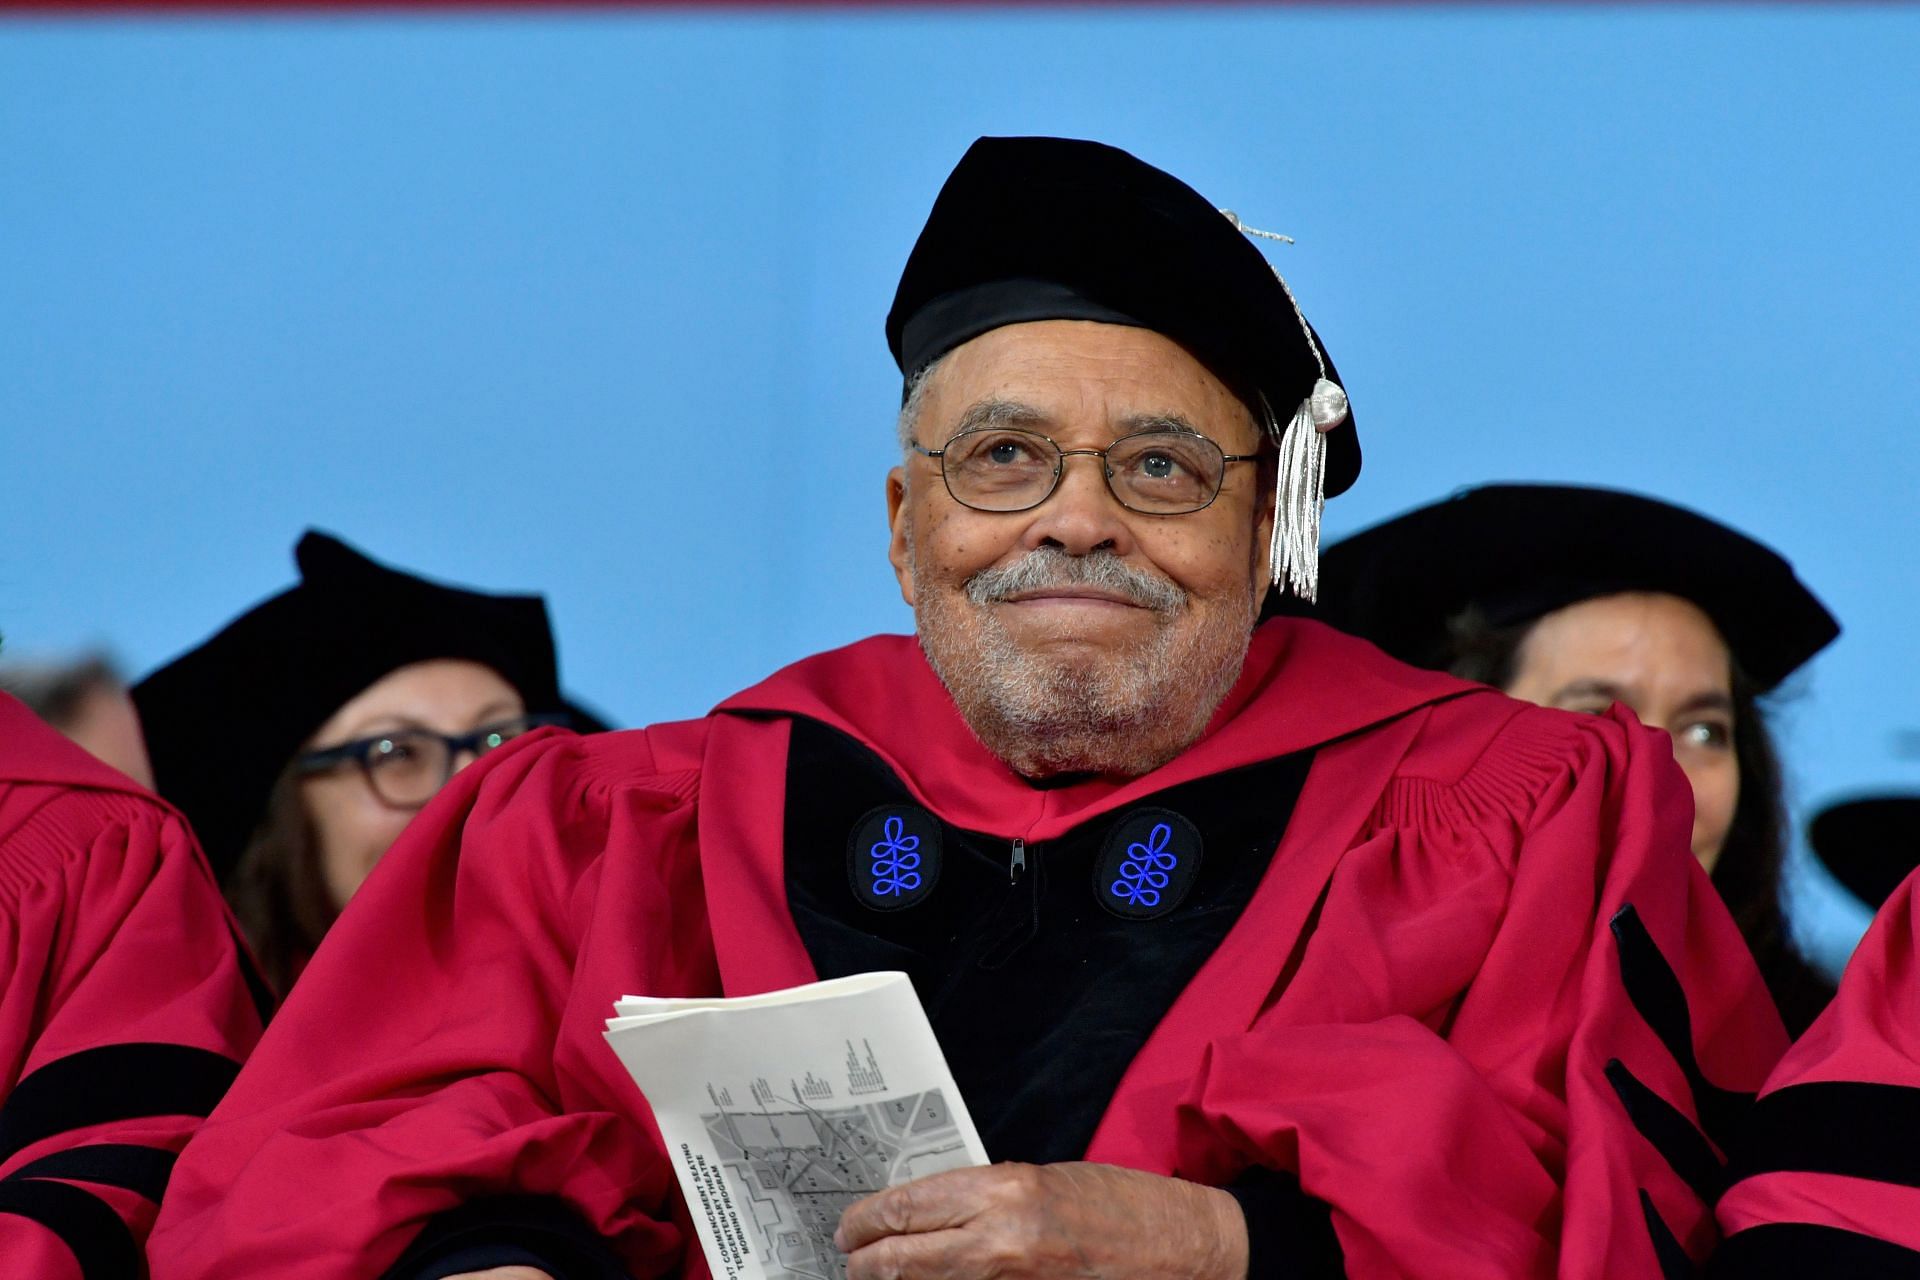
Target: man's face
1079	636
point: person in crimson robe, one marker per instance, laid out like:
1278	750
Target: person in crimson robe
1825	1180
126	1005
1254	952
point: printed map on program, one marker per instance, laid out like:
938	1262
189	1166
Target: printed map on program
796	1170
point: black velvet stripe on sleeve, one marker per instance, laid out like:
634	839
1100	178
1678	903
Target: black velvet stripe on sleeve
1802	1251
1665	1126
1658	997
501	1231
1667	1251
100	1241
1290	1234
140	1169
1867	1131
113	1082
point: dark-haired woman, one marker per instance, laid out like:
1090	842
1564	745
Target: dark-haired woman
302	738
1580	597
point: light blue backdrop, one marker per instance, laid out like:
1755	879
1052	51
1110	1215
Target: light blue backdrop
591	303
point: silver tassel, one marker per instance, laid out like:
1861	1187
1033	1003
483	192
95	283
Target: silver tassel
1300	485
1299	497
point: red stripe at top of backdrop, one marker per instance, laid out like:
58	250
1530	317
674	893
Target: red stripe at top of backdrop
187	7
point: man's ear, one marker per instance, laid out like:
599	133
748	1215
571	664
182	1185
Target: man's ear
900	540
1263	535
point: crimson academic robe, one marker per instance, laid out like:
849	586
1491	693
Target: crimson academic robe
1826	1177
1478	1002
125	1005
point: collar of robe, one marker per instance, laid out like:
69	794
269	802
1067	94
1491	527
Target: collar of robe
1303	685
30	751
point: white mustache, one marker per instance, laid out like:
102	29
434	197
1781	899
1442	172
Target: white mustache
1048	567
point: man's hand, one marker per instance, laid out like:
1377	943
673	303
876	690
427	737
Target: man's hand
1045	1222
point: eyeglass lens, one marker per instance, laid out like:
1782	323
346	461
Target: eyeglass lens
1154	472
408	768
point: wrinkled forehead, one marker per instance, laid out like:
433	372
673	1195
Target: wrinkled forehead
1078	376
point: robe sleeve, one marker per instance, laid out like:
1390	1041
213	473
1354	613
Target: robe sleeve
129	1006
1826	1178
1559	1114
419	1070
1667	1025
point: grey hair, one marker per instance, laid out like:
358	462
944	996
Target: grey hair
911	401
57	692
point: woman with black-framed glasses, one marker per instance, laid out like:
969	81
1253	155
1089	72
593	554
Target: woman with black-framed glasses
406	765
303	737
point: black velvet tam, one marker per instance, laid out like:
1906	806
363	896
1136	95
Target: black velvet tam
1519	551
223	720
1870	844
1056	229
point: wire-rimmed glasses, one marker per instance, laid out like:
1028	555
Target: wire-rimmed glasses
407	767
1159	472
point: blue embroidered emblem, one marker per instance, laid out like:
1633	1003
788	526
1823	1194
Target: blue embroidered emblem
1147	865
1147	869
893	856
896	860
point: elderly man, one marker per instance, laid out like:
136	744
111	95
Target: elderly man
1429	985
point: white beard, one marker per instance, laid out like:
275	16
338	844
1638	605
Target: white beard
1121	713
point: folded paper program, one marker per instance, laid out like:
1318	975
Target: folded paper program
781	1109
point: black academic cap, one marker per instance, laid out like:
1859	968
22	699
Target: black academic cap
1870	844
223	720
1057	229
1519	551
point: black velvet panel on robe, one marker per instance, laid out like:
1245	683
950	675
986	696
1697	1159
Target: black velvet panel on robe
1039	992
